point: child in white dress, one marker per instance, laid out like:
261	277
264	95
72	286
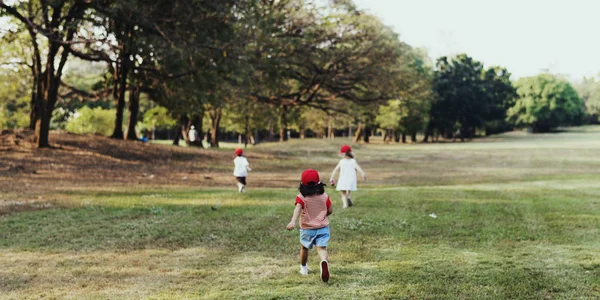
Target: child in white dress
347	181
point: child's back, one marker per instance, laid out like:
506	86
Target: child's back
314	211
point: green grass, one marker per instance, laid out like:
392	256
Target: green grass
518	217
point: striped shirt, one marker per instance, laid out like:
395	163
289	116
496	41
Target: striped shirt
314	211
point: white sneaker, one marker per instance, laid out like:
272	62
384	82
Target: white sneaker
304	270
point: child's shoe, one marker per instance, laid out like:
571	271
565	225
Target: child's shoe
304	270
324	270
350	203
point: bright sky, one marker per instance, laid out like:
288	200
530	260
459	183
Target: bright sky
525	36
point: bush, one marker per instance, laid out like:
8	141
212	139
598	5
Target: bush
97	120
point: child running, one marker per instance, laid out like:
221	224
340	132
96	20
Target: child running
241	169
347	181
315	206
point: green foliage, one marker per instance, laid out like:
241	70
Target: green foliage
15	80
389	115
468	95
156	118
14	101
589	91
410	111
87	120
546	102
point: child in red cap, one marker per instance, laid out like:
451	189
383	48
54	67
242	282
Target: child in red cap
315	206
347	180
241	169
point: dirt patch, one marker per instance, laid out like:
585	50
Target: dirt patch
77	161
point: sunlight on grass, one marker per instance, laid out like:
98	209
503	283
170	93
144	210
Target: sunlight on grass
507	225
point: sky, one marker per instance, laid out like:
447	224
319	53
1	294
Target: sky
525	36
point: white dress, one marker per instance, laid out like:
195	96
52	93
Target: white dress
347	179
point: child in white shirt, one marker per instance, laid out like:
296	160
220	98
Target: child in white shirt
241	169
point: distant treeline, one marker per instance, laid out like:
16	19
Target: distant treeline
256	70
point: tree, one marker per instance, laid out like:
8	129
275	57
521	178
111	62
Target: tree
59	23
589	91
468	96
501	95
306	56
545	102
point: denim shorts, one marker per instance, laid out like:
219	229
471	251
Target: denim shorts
318	237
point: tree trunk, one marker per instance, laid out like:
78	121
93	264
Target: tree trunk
396	136
256	137
177	137
350	131
46	100
123	71
282	123
183	127
403	137
134	109
247	133
45	106
413	137
367	134
302	133
215	117
35	91
358	133
271	131
329	127
428	132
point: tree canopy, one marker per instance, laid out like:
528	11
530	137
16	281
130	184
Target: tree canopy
253	69
546	102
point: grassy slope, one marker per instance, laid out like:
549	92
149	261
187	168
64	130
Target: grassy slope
517	217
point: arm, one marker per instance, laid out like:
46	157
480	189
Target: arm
329	211
248	166
292	223
360	170
334	171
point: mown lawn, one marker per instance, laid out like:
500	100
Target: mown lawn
518	217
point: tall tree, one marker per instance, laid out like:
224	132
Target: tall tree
58	23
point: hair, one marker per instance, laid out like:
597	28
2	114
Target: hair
349	154
311	190
241	154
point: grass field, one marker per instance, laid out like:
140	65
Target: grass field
518	217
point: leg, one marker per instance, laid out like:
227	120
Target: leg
304	255
324	265
243	184
350	203
344	199
323	253
303	260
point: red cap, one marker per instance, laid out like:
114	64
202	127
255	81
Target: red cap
239	151
345	149
310	175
